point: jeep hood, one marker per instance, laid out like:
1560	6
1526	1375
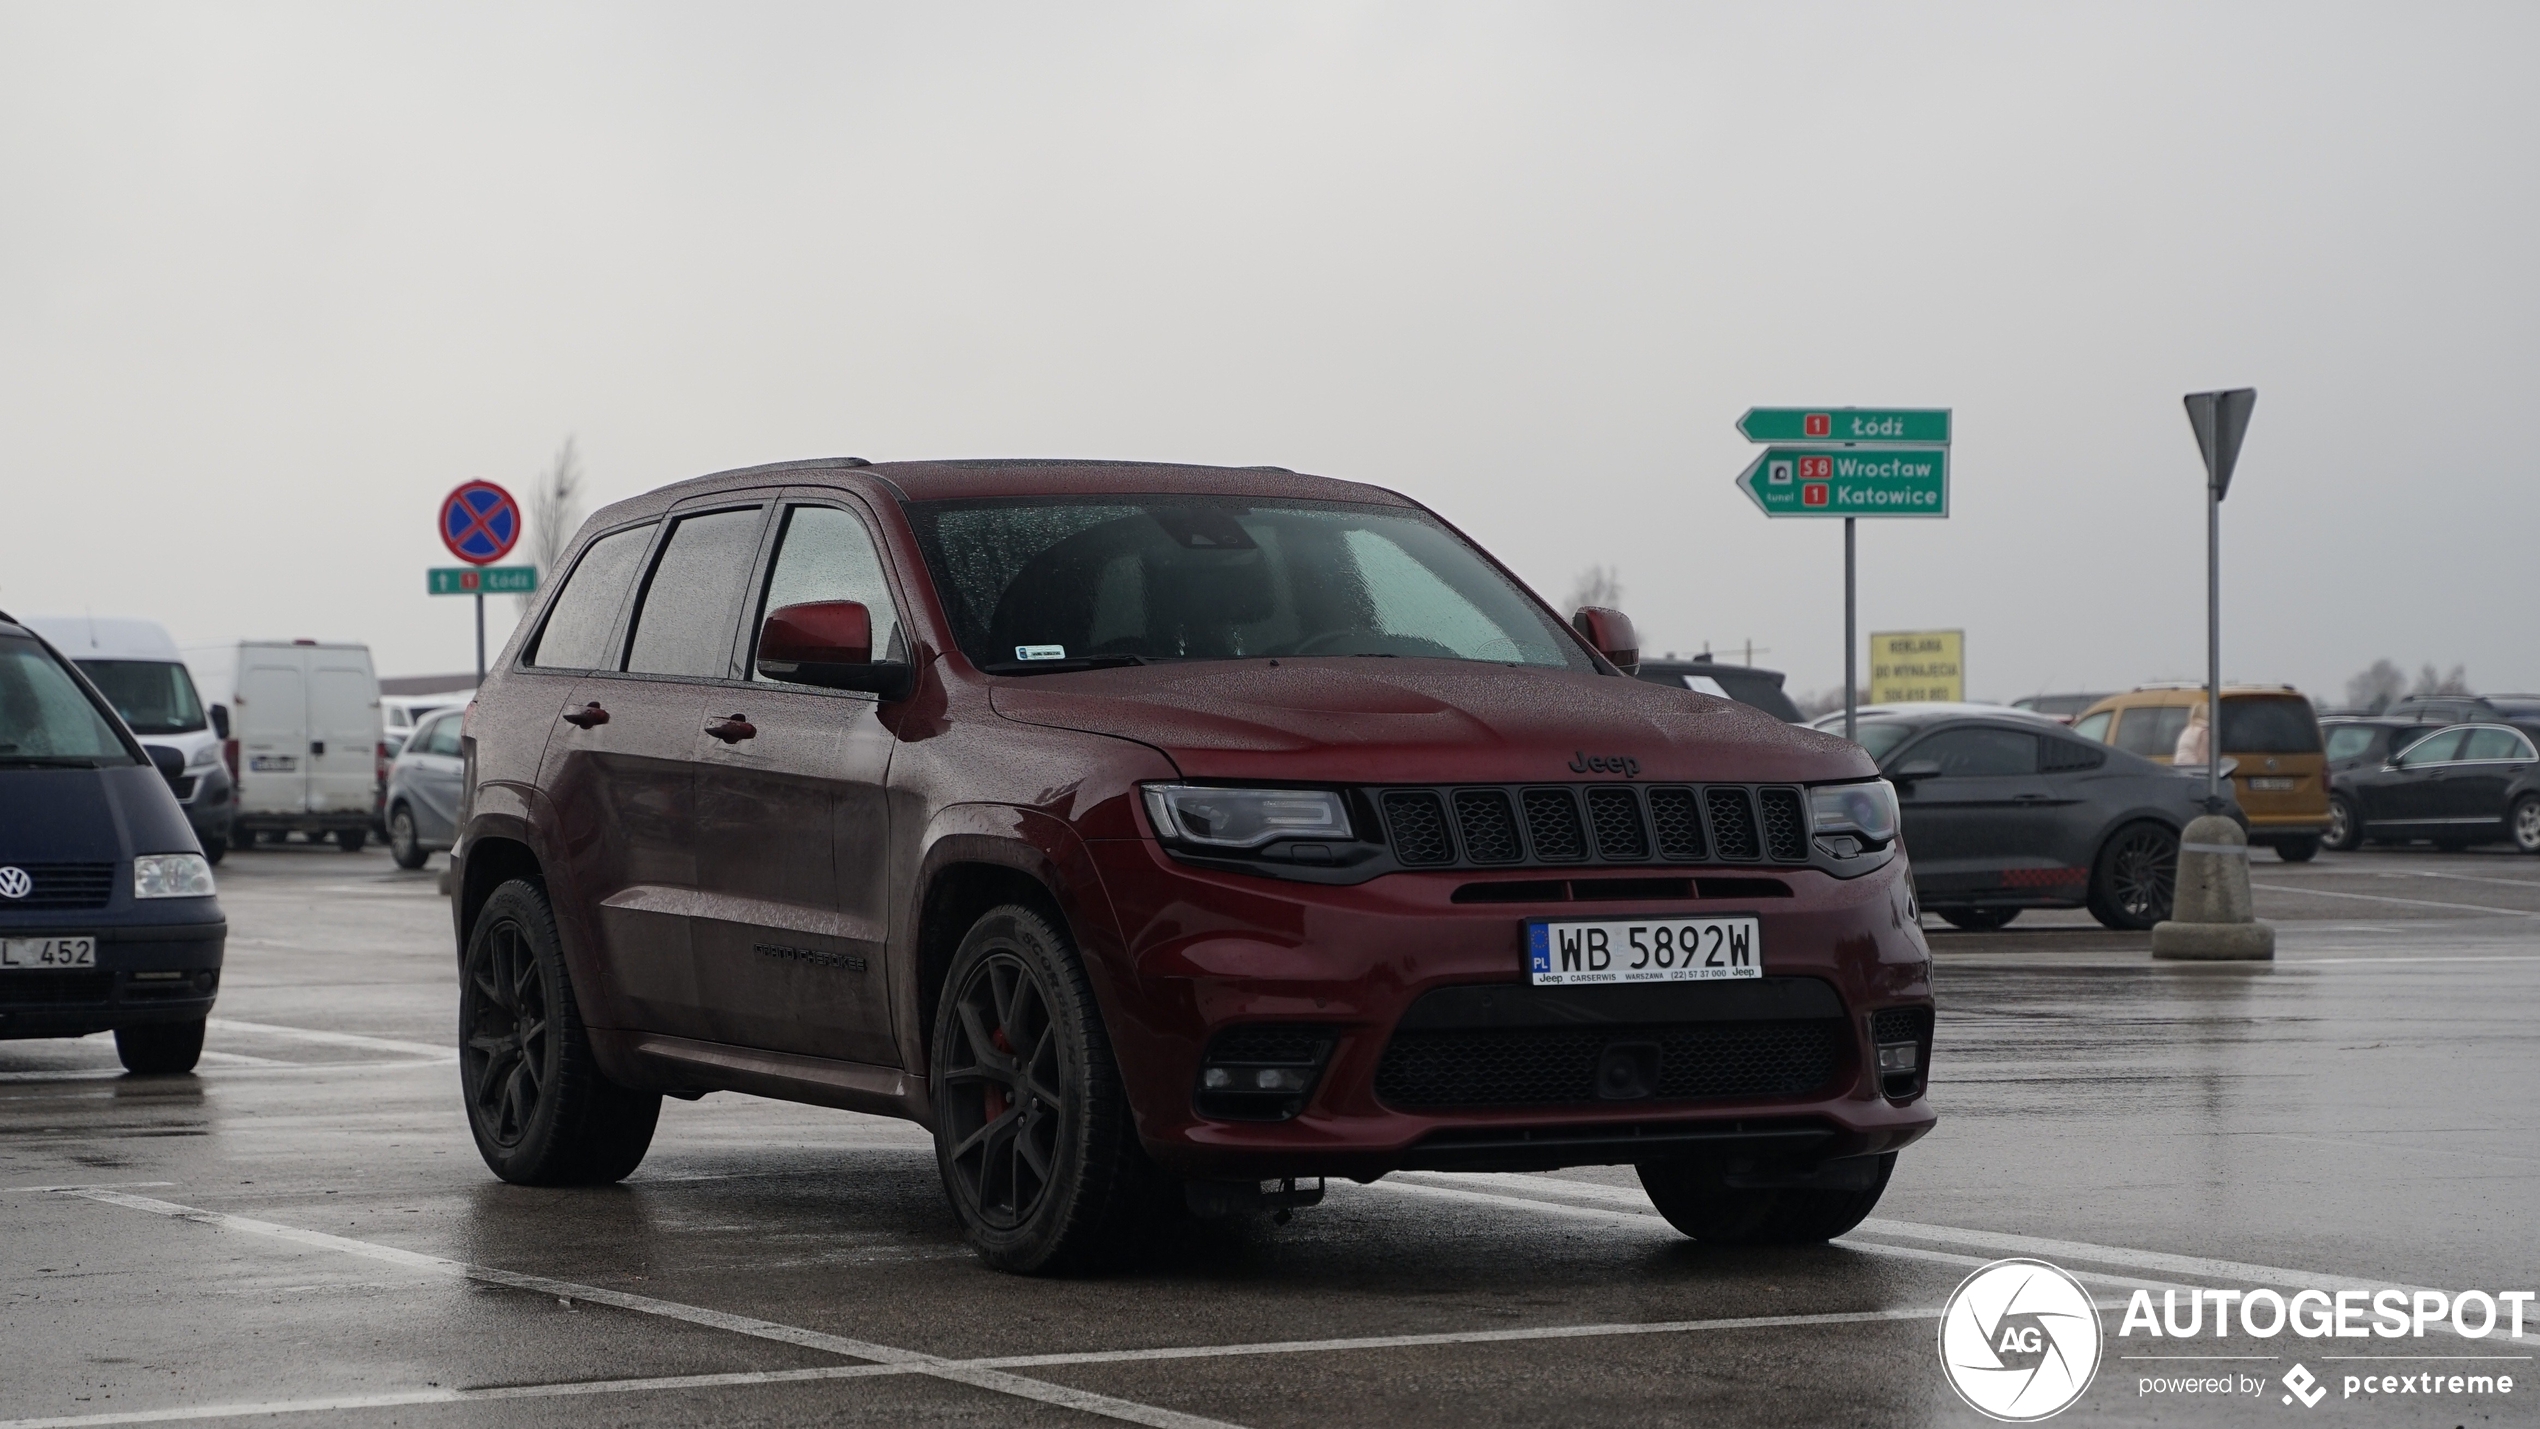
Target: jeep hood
1362	720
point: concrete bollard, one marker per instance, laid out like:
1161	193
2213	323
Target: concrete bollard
2211	916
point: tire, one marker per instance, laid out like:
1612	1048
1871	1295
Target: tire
160	1049
2525	824
541	1112
1977	920
1033	1136
349	840
2134	877
404	844
2298	850
1695	1200
214	848
2345	826
242	838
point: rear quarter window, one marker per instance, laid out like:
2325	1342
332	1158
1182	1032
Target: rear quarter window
576	636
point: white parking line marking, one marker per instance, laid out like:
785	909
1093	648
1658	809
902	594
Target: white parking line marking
116	1074
84	1186
2386	898
2201	1267
909	1360
337	1039
1081	1357
241	1059
2525	883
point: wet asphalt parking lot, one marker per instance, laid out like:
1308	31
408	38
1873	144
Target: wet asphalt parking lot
301	1233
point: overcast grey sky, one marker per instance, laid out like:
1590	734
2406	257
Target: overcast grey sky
273	278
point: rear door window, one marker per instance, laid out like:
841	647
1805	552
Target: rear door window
577	632
826	554
2492	743
2269	725
2151	730
443	737
691	608
1979	751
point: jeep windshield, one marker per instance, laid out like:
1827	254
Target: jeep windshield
1044	584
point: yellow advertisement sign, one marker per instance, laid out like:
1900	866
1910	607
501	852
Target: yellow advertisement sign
1917	666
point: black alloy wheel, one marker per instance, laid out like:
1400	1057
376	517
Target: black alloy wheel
1006	1094
404	844
541	1112
1033	1135
1977	920
2525	823
2135	877
2345	831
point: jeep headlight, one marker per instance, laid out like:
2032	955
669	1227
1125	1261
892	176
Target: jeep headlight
1245	818
1845	818
171	875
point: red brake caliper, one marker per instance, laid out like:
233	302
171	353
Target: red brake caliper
994	1095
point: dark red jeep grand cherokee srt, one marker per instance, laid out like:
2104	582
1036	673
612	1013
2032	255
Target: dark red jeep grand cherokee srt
1164	838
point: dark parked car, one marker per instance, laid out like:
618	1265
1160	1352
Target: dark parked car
2462	785
1165	838
422	790
2005	811
2522	711
107	916
1745	684
2355	744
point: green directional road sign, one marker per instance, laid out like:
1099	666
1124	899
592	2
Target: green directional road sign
1848	481
483	580
1886	426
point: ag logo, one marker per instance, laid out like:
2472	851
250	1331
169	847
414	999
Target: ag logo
14	883
2019	1341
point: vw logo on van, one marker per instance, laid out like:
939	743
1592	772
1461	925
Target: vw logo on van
14	883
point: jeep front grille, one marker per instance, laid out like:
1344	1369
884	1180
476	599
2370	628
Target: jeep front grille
1515	826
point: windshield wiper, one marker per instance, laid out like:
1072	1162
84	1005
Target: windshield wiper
1072	662
50	761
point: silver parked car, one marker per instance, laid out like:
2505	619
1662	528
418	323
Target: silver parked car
422	798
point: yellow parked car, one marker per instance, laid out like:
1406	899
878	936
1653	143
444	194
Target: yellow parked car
2269	731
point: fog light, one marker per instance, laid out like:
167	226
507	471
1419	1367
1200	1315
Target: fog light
1262	1072
1899	1057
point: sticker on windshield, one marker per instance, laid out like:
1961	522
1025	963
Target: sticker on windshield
1040	652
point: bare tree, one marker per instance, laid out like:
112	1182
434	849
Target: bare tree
2374	689
2430	683
1597	585
555	513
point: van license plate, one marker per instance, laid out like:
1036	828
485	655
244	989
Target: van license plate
1562	953
48	953
273	764
2273	783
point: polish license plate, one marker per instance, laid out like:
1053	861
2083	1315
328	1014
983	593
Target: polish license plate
2273	782
1567	953
273	764
48	953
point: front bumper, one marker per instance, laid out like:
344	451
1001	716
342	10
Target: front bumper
1206	951
144	974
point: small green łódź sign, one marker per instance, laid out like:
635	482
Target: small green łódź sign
1885	426
483	580
1848	481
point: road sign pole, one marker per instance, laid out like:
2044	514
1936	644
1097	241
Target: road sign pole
2213	648
1851	637
480	637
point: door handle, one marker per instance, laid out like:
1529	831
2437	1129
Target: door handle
733	729
587	716
2032	798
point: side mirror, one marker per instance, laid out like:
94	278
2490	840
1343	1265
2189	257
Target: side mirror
829	643
220	720
1610	634
1913	769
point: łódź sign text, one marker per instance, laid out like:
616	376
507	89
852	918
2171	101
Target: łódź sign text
1849	481
1889	426
483	580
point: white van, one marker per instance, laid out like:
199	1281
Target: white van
303	736
136	667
